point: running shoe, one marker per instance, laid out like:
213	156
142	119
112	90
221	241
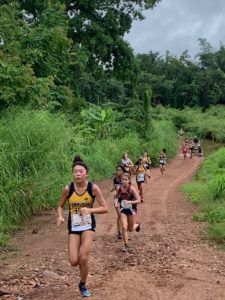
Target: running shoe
125	248
119	236
84	291
138	227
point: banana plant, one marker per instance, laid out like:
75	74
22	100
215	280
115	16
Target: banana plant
100	122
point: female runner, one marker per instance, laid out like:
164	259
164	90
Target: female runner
80	194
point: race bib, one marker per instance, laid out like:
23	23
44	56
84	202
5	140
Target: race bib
124	205
117	186
127	169
161	161
140	177
78	220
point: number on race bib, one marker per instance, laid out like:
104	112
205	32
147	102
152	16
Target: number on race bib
78	220
140	177
124	205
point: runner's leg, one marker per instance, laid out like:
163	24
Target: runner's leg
140	188
119	226
74	241
131	222
86	242
124	228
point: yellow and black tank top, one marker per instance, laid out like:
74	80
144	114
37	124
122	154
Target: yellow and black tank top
140	177
76	222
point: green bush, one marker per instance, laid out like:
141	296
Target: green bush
216	232
217	187
208	190
213	165
196	191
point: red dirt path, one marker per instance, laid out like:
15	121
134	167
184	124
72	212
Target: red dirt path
168	260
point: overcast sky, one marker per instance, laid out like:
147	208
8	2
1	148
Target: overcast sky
176	25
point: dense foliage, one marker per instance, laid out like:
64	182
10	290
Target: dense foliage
181	82
208	125
63	54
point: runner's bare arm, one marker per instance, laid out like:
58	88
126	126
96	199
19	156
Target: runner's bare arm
101	209
130	163
116	196
61	204
112	189
135	170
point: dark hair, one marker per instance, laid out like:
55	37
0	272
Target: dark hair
78	161
121	167
164	150
138	162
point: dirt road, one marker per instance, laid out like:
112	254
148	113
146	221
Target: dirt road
168	260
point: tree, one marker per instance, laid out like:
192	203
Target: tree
147	112
98	28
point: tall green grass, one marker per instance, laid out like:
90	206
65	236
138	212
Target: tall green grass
206	125
208	190
36	153
102	156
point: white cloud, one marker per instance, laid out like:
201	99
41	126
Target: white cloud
176	25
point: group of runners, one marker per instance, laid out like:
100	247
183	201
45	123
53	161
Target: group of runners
190	146
80	195
126	197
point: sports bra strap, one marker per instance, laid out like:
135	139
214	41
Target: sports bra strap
89	189
71	189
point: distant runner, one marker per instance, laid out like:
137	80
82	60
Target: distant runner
185	148
117	182
191	147
140	172
162	160
127	163
147	163
128	199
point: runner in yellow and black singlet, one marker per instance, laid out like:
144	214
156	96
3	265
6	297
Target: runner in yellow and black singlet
80	195
140	172
76	222
147	163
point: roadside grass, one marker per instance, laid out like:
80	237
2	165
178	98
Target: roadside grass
208	191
